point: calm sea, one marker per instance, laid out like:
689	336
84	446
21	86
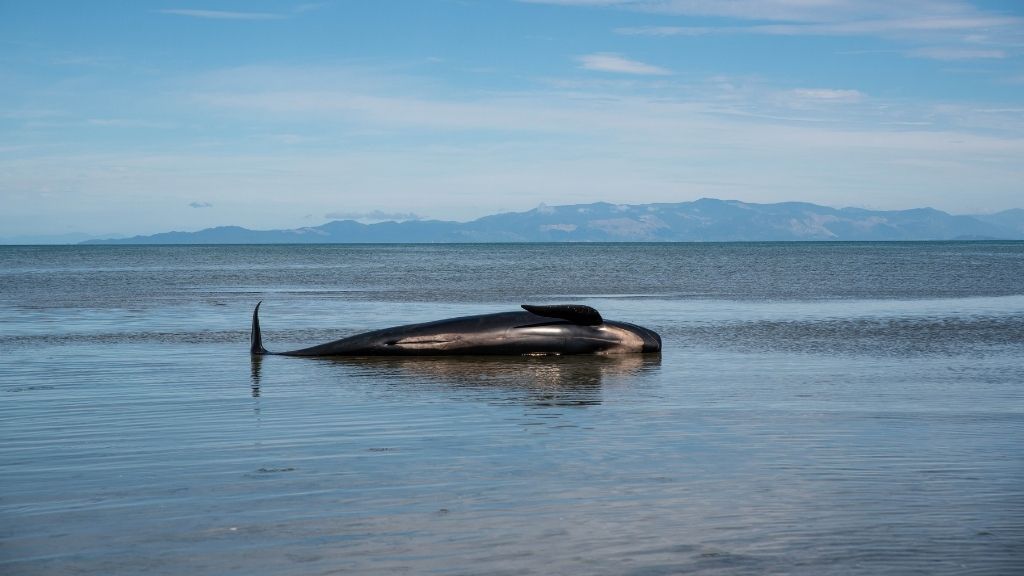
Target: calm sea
818	409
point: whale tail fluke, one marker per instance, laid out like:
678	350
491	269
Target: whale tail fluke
255	338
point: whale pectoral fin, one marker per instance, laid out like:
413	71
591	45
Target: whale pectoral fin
575	313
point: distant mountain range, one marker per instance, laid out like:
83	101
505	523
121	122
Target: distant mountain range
704	220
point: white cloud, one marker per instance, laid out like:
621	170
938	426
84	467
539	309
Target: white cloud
670	30
221	14
929	14
938	53
827	95
963	31
890	27
127	123
887	27
609	62
373	216
583	2
309	7
784	10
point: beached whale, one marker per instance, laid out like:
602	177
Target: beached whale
538	330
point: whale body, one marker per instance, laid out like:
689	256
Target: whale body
536	330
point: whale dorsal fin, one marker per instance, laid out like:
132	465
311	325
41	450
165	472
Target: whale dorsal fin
575	313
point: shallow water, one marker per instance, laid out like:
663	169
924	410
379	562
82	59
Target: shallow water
818	408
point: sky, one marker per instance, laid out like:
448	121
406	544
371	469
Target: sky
137	117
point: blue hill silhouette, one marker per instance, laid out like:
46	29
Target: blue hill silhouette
704	220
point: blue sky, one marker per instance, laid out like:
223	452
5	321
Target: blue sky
138	117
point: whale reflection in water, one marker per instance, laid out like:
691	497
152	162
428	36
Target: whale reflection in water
529	380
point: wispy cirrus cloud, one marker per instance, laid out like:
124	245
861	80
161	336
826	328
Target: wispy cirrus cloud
673	30
222	14
870	14
827	95
374	104
200	205
127	123
309	7
611	62
359	102
940	53
373	216
870	27
946	29
583	2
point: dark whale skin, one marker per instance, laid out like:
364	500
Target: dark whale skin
505	333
